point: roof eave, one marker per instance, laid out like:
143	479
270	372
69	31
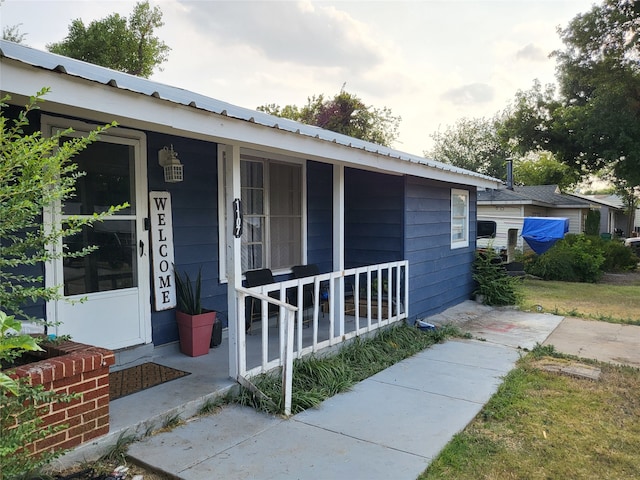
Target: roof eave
226	123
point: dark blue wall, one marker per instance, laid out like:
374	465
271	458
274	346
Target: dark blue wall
374	220
320	215
439	277
195	223
31	309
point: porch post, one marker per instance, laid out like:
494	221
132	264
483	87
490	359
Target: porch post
338	242
230	154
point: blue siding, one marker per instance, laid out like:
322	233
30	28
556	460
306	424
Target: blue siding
373	218
195	223
320	215
30	308
439	277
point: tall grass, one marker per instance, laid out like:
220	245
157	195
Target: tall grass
317	378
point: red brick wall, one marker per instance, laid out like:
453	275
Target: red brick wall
73	367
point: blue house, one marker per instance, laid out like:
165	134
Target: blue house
220	189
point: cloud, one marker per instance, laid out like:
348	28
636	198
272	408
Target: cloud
301	32
532	53
471	94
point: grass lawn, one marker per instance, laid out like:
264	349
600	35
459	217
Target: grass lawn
613	303
544	425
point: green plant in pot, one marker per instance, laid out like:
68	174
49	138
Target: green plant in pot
195	324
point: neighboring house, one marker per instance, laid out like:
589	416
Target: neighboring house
508	208
309	196
612	216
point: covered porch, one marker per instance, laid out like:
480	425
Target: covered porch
262	348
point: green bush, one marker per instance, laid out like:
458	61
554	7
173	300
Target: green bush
592	223
493	282
576	258
36	173
618	258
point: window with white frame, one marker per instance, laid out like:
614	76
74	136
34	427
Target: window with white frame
272	211
459	218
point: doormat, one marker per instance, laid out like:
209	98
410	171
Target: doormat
134	379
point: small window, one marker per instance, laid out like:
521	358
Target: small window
486	229
459	218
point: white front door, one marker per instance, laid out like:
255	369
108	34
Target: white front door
106	293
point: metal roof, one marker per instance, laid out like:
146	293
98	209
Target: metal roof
545	194
123	81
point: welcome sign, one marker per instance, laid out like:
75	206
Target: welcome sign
164	285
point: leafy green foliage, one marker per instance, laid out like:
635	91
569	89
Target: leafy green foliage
543	168
113	42
474	144
344	113
575	258
12	345
188	293
493	282
582	258
21	426
12	33
36	173
617	257
594	121
592	223
118	450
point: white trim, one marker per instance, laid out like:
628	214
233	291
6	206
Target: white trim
140	110
120	136
464	242
222	201
266	158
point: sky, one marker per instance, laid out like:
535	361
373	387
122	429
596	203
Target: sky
431	62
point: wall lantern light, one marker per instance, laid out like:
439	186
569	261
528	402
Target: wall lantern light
168	160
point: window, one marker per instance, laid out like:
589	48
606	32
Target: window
459	218
486	229
273	213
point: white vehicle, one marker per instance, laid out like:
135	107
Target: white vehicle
634	244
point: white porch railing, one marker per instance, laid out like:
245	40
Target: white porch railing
344	305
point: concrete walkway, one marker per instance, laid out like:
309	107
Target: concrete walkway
390	425
602	341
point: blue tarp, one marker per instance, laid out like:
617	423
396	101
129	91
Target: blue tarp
542	232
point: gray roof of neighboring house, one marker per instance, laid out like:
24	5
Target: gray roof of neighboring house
611	201
548	195
123	81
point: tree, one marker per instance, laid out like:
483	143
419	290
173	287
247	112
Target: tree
35	173
543	169
594	120
344	113
474	144
13	34
113	42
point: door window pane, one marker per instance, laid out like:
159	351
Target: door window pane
110	267
107	180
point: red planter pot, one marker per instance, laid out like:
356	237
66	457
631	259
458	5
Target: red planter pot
195	332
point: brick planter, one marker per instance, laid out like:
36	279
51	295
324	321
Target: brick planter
70	367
